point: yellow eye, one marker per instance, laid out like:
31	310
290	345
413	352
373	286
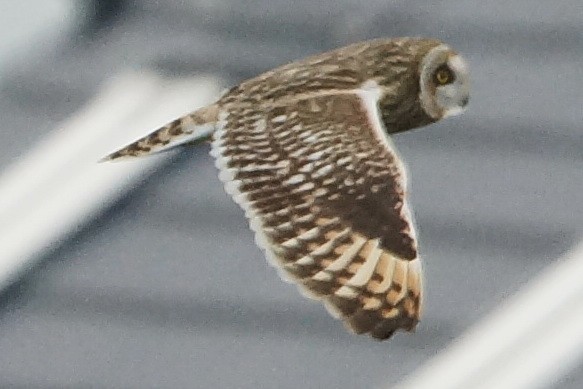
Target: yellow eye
443	75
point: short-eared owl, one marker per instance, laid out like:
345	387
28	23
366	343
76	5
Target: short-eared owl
305	150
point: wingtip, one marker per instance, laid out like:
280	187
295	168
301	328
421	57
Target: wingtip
114	157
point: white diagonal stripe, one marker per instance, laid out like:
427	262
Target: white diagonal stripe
365	271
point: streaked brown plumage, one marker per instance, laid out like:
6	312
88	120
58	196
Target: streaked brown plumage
304	150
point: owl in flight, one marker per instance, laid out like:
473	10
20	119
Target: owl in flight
305	150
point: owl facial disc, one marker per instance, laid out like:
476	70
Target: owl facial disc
444	83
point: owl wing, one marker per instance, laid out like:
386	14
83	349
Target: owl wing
324	192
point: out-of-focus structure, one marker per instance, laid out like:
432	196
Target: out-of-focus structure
145	275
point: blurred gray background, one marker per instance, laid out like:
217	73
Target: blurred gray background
167	289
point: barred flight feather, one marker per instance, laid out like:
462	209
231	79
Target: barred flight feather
305	150
320	224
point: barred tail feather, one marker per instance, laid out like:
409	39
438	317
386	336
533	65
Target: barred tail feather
190	129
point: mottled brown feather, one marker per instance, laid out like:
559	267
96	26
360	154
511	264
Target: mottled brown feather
327	200
306	157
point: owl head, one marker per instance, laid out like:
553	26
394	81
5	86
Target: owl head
444	83
423	81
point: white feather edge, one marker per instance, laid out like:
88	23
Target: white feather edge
231	185
369	93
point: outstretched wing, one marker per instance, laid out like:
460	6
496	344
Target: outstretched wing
325	194
189	129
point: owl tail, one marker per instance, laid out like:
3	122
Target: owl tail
190	129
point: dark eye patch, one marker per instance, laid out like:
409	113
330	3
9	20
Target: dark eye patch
443	75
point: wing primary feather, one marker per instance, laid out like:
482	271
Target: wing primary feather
330	214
